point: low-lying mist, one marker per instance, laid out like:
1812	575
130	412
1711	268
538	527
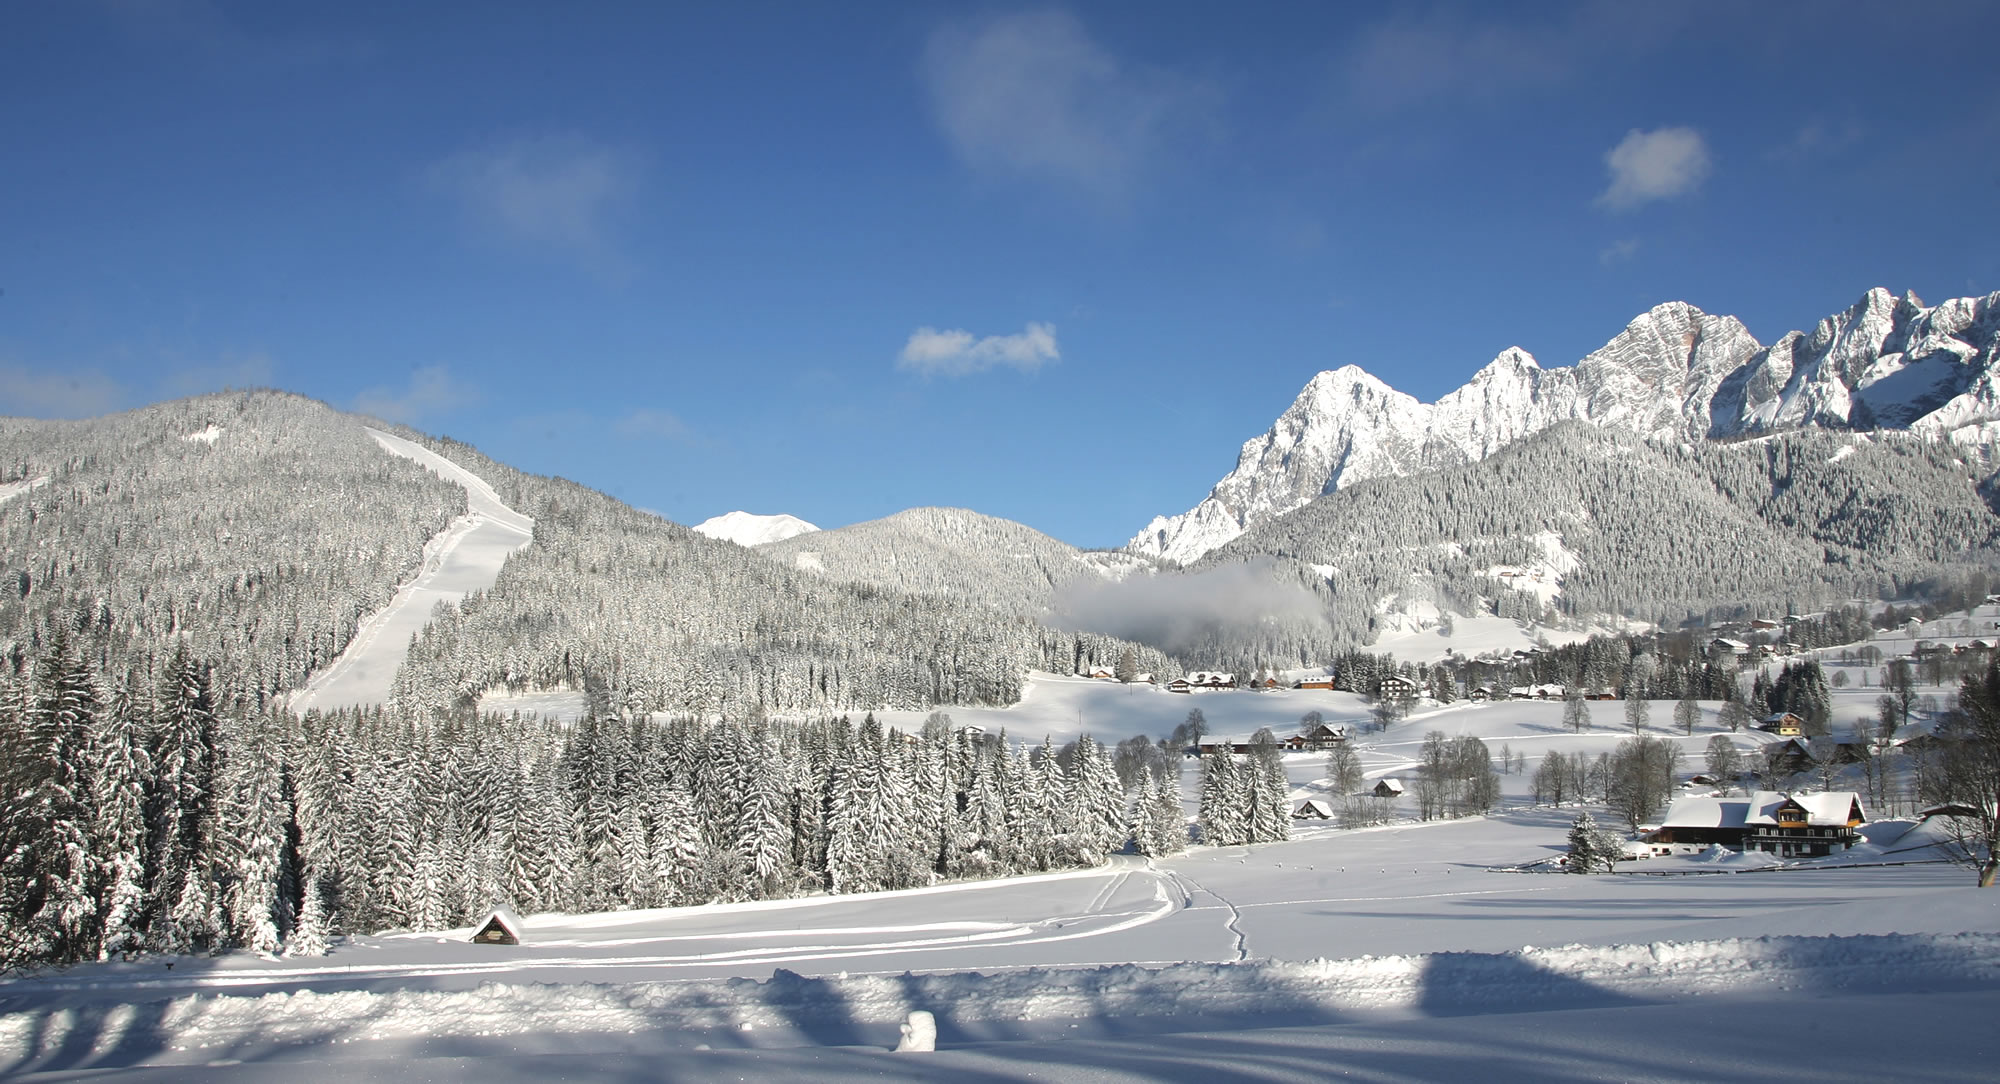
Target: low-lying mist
1182	611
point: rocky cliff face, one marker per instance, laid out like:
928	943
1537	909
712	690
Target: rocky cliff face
1674	373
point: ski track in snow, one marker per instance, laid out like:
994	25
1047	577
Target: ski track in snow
464	558
10	490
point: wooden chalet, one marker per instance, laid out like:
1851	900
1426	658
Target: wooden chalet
1782	723
1398	687
502	927
1313	809
1735	649
1480	695
1787	757
1806	825
1315	683
1388	788
1210	679
1180	685
1321	736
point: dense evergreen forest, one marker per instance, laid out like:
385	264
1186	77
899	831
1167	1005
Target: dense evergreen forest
143	813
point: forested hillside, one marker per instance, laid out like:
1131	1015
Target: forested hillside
257	528
1658	532
954	552
654	617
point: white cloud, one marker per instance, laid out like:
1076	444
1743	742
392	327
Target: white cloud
1619	251
431	390
1032	96
957	353
559	192
49	393
1655	165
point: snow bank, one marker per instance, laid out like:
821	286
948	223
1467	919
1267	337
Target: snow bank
1437	984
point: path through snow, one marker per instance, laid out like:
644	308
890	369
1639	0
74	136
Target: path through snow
463	558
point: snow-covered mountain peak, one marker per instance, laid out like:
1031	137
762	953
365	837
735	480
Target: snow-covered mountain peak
1673	373
746	529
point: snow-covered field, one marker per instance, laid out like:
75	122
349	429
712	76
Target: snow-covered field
463	558
1406	951
1400	952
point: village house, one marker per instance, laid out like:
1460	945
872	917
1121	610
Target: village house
1786	758
1210	679
1782	723
1388	788
1398	687
1806	825
1322	735
1315	683
1480	695
1537	692
1735	649
1313	809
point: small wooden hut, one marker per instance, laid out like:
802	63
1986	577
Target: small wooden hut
502	927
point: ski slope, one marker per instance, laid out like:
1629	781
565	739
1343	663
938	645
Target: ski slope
463	558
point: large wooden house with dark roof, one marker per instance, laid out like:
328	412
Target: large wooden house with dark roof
1790	826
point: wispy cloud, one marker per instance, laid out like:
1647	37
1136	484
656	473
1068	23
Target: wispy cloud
557	192
958	353
1655	165
1032	96
653	424
254	371
1817	139
431	390
1619	251
49	392
1444	55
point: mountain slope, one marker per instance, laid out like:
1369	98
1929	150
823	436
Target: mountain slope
747	529
952	552
1674	373
1577	521
258	528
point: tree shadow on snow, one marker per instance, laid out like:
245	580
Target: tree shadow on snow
1471	983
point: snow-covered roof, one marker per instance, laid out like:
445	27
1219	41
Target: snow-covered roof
1313	807
1734	645
1706	811
505	918
1831	808
1702	811
1205	677
1393	784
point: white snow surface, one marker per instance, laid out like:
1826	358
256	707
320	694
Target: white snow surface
746	529
1402	943
463	558
10	490
207	435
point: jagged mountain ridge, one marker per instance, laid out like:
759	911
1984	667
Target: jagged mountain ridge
1597	523
953	552
1673	373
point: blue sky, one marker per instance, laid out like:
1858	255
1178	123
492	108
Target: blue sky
1050	263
